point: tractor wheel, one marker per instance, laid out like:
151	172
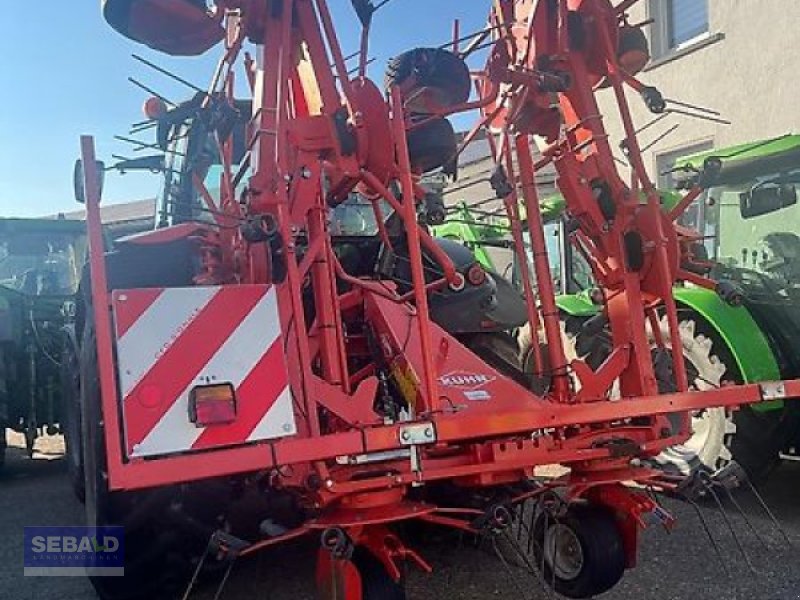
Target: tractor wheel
432	146
500	351
707	362
376	583
71	411
569	328
430	79
760	438
155	567
582	553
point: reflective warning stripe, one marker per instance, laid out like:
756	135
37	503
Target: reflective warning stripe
155	329
200	336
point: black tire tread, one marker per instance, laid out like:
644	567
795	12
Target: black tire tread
443	70
500	351
153	571
71	407
603	549
432	146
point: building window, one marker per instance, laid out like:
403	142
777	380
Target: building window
686	19
677	22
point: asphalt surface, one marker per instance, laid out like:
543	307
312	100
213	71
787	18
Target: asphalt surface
681	565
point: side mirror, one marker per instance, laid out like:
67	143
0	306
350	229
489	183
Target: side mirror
766	199
78	178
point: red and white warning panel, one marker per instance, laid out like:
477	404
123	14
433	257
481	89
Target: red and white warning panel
200	367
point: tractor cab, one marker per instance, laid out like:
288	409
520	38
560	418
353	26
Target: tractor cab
749	214
40	263
187	134
750	218
40	267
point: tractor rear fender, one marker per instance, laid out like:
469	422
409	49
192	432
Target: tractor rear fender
736	327
577	305
467	235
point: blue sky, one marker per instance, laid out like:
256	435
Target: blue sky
65	74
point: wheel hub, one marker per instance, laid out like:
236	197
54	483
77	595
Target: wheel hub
563	552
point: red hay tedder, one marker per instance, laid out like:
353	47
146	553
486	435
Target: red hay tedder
265	373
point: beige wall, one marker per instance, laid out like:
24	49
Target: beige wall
748	69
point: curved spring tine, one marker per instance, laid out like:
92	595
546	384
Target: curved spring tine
519	519
555	557
546	527
193	581
534	511
511	575
529	566
707	529
767	510
724	513
749	523
224	581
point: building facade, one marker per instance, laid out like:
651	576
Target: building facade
737	57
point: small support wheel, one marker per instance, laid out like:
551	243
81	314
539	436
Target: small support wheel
582	553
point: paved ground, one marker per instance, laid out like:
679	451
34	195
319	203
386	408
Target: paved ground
678	566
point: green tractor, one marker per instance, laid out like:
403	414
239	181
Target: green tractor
750	222
40	267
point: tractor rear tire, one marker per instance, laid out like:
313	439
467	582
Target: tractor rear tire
759	440
570	326
71	411
707	360
4	407
582	554
500	351
376	583
154	566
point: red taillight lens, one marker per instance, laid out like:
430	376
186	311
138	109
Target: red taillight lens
476	275
212	405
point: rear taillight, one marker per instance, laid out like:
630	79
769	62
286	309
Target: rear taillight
212	405
458	282
476	275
